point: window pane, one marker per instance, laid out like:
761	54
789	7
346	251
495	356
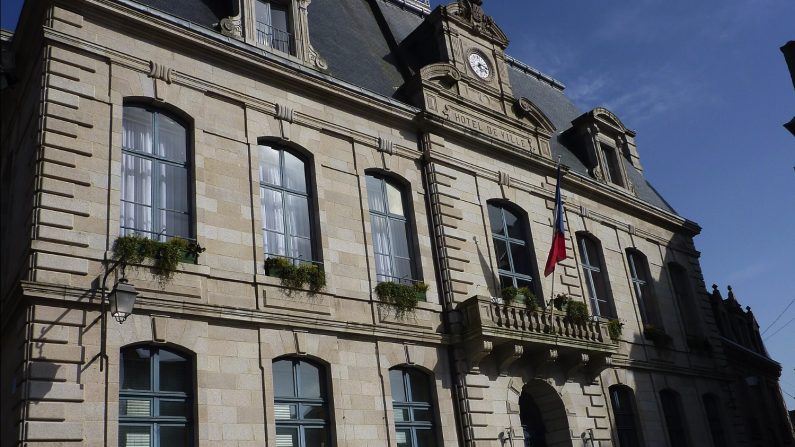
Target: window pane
174	372
375	194
514	225
136	193
286	436
173	436
294	173
137	129
279	18
521	259
315	437
317	412
383	267
135	407
495	220
173	408
402	415
425	438
263	12
274	244
402	269
135	368
284	411
297	211
396	383
283	384
269	170
272	209
300	248
380	234
135	436
174	218
507	281
172	140
395	199
399	238
423	415
403	438
501	251
309	380
419	386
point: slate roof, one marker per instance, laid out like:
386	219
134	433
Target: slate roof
359	40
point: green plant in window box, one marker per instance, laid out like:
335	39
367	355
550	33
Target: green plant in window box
305	275
509	294
615	328
657	335
560	301
401	297
531	301
421	290
577	312
165	256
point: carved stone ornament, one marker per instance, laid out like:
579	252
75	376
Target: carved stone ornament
161	72
386	146
231	26
524	108
308	53
472	12
284	113
504	179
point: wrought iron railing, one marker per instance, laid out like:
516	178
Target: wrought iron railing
278	39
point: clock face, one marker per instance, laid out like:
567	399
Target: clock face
479	65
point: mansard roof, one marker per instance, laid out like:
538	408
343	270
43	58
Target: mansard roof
359	40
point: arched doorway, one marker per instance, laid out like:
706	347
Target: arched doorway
543	416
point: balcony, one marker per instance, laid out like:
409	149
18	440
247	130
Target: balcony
278	39
507	333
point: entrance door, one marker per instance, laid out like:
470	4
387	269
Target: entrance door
543	416
532	422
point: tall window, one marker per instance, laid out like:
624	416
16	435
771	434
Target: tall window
712	408
155	175
612	167
511	246
412	403
595	276
684	298
300	404
285	201
623	402
674	422
394	260
273	25
155	398
641	284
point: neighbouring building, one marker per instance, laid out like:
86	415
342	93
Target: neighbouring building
395	152
789	57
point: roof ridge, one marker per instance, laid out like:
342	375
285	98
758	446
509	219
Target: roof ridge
532	71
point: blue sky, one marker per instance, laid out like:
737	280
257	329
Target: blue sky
706	87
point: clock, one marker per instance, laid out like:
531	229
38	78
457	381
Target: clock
479	65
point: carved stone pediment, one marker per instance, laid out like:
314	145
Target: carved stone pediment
525	109
471	12
444	72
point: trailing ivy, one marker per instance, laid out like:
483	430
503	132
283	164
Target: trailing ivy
577	311
165	256
302	276
402	297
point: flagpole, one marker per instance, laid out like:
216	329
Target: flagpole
552	296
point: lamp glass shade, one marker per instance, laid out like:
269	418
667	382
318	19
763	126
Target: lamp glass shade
122	301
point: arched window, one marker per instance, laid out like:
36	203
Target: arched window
512	247
156	181
623	402
712	408
155	398
674	420
300	404
392	231
642	286
595	275
412	403
285	204
684	298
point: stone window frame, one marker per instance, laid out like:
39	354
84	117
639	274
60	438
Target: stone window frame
674	418
527	242
643	287
184	120
631	412
324	401
715	418
311	193
155	396
411	225
589	268
243	26
431	405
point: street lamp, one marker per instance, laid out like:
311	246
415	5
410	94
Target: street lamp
122	300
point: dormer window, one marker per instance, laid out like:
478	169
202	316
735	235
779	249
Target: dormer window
273	26
612	172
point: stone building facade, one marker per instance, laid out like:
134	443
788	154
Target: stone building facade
382	142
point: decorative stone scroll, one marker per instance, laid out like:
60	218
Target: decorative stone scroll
232	26
386	146
161	72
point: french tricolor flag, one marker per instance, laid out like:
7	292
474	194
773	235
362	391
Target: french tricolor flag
557	252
